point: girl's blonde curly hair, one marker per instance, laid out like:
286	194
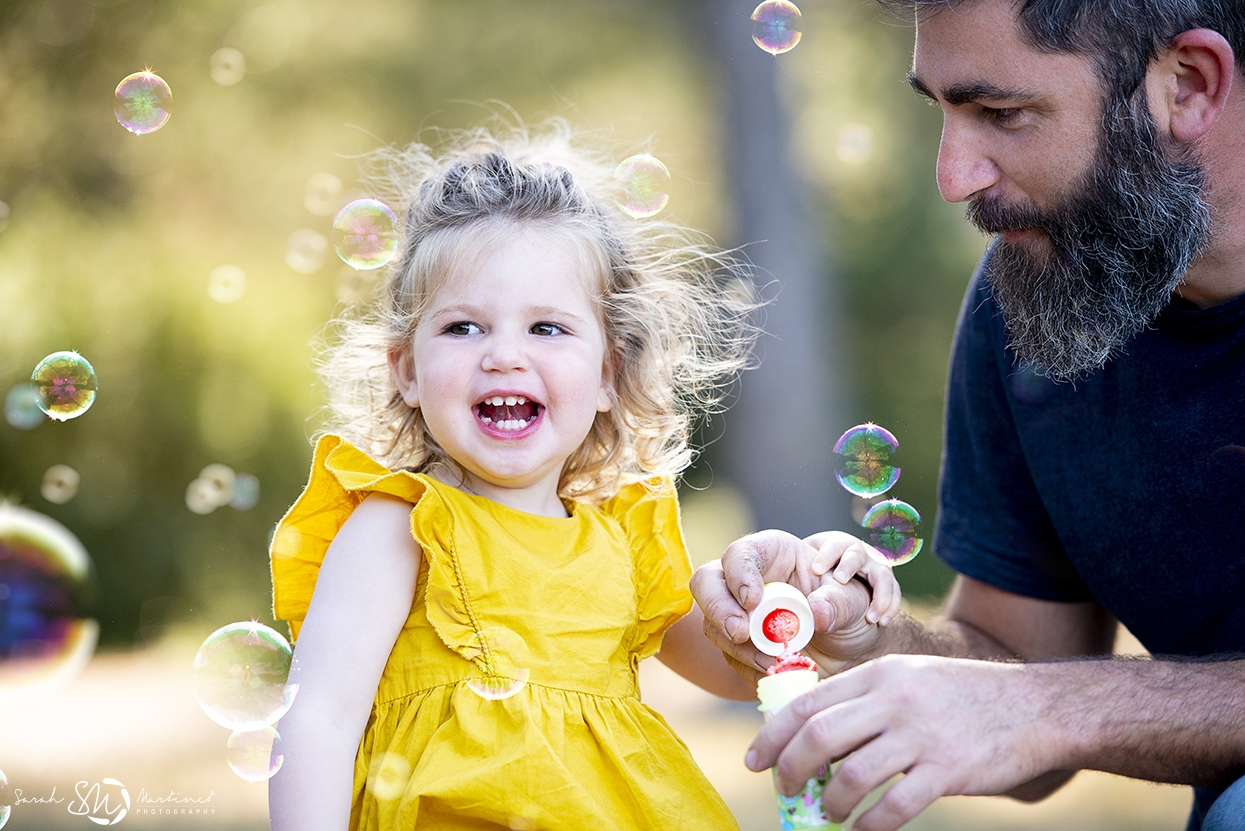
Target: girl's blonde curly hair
675	311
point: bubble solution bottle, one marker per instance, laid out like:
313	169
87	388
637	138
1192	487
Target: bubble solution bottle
781	626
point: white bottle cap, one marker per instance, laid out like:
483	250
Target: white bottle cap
781	596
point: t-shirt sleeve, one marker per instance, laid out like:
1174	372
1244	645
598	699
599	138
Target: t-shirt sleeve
649	516
992	525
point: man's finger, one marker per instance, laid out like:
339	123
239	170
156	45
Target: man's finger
906	798
780	731
724	617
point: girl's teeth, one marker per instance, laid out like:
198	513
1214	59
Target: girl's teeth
511	400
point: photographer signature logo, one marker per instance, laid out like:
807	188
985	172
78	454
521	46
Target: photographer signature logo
104	803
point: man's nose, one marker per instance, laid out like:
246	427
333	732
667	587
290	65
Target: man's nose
964	170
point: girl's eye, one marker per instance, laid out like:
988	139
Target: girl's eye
463	328
547	329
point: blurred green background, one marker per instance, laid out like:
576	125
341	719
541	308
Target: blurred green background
110	238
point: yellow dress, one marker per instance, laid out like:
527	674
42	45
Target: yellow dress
510	699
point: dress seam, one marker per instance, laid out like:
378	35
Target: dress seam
417	693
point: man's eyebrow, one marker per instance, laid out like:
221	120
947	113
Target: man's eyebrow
958	94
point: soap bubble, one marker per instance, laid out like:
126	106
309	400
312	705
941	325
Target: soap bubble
250	754
894	529
855	144
388	776
6	799
866	460
140	102
776	26
365	234
226	283
221	479
322	194
46	633
243	678
201	497
644	179
305	251
60	484
502	654
228	66
245	492
4	215
21	407
66	385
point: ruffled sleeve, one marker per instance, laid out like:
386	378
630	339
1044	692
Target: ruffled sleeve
341	477
649	515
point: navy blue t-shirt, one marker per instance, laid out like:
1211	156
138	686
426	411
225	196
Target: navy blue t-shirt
1126	487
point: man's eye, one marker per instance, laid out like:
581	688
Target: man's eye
547	329
463	328
1001	115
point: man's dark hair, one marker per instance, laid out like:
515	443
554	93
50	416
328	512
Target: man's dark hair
1123	36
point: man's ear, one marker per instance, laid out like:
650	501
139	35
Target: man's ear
1188	83
402	368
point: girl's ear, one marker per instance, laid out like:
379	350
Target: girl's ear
402	368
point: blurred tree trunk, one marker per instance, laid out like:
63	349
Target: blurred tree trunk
780	433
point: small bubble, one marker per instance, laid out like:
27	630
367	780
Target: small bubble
855	144
322	195
66	385
60	484
644	180
776	26
894	529
244	676
501	654
228	66
201	497
6	799
250	754
46	633
286	541
226	283
305	251
221	479
4	215
245	492
866	460
365	234
388	776
21	407
140	102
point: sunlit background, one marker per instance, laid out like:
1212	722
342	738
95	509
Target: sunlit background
192	267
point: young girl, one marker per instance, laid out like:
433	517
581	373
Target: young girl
491	545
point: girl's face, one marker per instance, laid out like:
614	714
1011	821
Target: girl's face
508	365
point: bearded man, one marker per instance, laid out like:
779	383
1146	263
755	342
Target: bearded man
1094	465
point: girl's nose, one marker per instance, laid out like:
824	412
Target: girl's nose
504	352
963	170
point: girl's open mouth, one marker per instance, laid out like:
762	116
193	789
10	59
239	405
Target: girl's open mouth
508	413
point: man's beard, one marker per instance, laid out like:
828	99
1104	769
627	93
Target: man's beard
1115	249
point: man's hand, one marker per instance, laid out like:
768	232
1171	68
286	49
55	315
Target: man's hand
952	726
727	590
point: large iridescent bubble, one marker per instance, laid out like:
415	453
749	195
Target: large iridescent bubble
66	385
242	676
776	26
46	633
894	529
644	180
365	234
141	101
866	460
6	799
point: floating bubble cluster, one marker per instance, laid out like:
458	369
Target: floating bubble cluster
6	799
365	234
243	677
60	484
227	65
65	384
305	251
644	180
894	528
776	26
866	459
140	102
226	284
46	632
21	407
250	754
217	486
